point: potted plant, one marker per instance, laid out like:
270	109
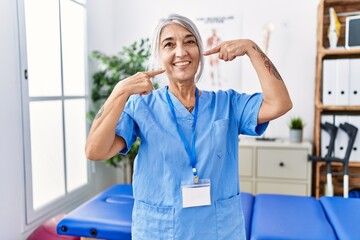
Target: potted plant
111	70
296	129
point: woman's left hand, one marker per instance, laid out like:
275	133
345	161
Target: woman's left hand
276	101
229	50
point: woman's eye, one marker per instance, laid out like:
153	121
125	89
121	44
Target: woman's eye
190	42
169	44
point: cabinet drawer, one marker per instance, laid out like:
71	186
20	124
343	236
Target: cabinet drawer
245	161
282	163
281	188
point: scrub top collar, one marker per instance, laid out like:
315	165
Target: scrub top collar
180	108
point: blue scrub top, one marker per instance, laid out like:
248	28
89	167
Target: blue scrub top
162	163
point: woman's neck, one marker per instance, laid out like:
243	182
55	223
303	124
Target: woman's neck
184	92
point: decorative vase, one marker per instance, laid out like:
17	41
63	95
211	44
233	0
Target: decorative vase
296	135
333	39
334	28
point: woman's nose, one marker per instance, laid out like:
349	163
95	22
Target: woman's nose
180	51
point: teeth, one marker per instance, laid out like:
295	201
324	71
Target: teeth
181	63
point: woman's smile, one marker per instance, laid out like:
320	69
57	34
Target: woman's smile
182	63
179	53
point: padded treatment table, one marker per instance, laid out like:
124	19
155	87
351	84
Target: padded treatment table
106	216
247	201
289	217
267	217
344	216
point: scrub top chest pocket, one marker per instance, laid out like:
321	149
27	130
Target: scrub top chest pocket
220	137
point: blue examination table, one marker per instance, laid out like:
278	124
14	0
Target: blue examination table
267	216
106	216
343	215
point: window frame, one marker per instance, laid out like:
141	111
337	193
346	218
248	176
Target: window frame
70	199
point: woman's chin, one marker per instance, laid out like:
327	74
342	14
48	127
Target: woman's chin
183	77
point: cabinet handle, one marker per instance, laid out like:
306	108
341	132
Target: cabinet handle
281	164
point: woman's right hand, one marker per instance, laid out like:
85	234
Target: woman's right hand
101	142
139	83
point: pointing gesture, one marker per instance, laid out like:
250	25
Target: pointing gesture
139	83
102	143
229	50
153	73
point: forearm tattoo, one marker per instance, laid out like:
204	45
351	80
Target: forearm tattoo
268	64
98	115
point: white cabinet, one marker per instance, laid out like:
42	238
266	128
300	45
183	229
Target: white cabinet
275	167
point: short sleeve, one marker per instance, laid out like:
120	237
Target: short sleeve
247	108
127	127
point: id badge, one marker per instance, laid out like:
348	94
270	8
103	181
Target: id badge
195	195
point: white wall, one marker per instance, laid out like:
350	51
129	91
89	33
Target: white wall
292	45
11	182
101	26
293	52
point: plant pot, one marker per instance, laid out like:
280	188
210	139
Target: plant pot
296	135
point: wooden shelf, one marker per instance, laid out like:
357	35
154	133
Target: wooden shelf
343	9
340	2
337	170
354	109
341	52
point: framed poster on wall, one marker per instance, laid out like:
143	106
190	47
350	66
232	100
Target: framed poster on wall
217	73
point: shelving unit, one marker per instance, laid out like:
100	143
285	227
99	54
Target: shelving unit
343	10
354	177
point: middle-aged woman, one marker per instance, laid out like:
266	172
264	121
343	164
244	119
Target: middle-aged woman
185	180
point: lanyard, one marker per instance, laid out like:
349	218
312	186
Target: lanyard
191	152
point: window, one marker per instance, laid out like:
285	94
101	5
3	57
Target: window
53	43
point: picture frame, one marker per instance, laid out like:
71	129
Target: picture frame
352	32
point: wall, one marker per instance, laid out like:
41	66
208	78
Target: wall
11	182
292	50
292	44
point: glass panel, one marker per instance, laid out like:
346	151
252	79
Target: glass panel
73	47
43	47
75	131
47	152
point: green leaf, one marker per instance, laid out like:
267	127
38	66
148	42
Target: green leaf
296	123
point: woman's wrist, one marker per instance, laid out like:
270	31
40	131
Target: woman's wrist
119	92
251	47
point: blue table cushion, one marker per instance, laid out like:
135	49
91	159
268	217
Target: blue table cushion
289	217
247	200
107	216
344	216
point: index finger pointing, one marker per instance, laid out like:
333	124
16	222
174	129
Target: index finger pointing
154	72
212	51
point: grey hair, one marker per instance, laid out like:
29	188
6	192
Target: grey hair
155	42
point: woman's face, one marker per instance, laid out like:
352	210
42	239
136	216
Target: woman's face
178	53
